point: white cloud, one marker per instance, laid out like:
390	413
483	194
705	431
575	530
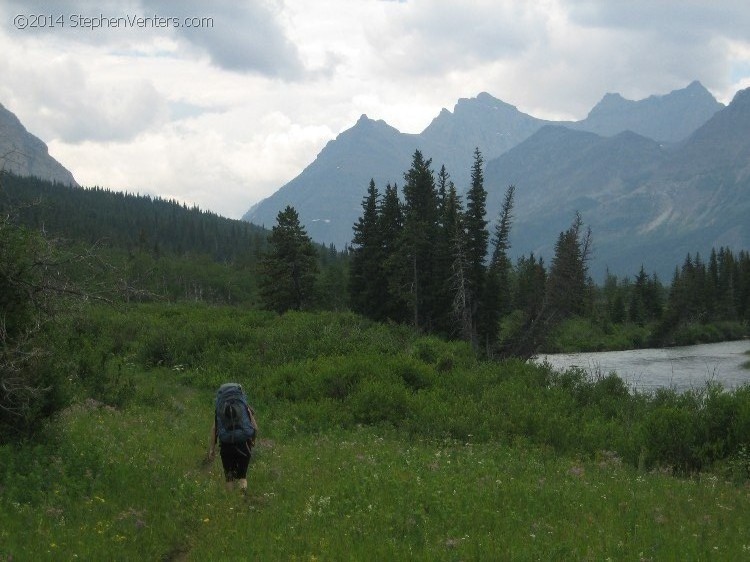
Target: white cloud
194	161
224	115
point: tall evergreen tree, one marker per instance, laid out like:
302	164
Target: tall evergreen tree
477	237
367	285
726	285
614	294
444	184
419	234
459	287
289	266
391	226
496	301
530	286
567	288
449	221
646	298
566	292
531	315
742	286
459	317
637	310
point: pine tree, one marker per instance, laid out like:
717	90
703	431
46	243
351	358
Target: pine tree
477	236
497	291
459	285
742	286
726	285
367	285
638	296
531	316
567	287
449	210
456	264
566	292
289	266
417	250
391	226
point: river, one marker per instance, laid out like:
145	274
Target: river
681	368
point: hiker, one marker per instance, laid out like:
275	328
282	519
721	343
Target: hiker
234	428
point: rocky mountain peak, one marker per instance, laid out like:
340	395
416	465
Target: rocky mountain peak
26	155
666	118
741	101
619	167
610	102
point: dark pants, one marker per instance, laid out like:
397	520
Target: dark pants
235	458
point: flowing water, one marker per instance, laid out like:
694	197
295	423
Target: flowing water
681	368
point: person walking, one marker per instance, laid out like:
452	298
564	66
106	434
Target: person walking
234	428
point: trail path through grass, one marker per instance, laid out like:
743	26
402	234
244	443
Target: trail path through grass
131	484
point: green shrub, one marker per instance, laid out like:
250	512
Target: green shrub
670	434
609	395
380	401
311	371
695	333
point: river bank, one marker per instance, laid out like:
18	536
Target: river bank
680	368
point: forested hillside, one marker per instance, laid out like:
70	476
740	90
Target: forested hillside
129	221
153	248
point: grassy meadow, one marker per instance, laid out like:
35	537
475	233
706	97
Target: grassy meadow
375	444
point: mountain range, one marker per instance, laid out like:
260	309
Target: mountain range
655	178
26	155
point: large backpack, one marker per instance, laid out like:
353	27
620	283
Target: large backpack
233	423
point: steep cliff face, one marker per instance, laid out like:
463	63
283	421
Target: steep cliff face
25	155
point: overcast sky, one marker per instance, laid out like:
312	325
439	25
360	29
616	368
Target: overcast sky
224	113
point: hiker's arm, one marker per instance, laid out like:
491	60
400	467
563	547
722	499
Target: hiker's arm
252	418
212	442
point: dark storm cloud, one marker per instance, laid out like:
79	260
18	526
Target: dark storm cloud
242	37
237	36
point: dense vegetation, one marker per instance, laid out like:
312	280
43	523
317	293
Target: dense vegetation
152	249
323	370
379	440
421	257
419	262
376	443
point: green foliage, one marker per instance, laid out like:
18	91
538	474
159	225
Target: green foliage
105	483
695	333
130	490
416	255
340	370
147	249
707	302
568	276
406	442
289	266
135	223
697	429
33	291
583	334
432	273
368	283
